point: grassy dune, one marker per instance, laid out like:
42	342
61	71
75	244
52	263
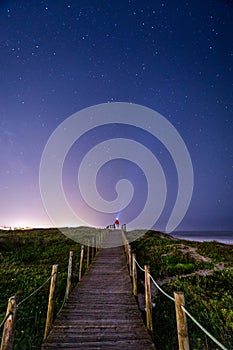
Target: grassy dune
203	271
26	258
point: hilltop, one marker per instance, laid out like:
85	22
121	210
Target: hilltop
202	270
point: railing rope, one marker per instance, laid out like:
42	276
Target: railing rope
35	291
161	290
4	320
203	329
8	323
181	306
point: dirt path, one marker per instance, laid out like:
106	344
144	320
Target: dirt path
198	257
193	254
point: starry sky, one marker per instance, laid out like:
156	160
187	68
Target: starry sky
59	57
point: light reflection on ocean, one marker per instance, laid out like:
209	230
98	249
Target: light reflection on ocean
225	237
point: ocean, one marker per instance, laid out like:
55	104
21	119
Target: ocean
205	236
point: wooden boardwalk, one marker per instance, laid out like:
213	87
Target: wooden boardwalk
101	312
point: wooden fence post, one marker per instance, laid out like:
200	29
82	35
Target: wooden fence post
69	275
101	238
123	238
134	275
130	260
149	323
93	249
127	252
49	319
88	253
9	325
81	263
181	320
96	244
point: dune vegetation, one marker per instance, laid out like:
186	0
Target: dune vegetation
26	259
203	271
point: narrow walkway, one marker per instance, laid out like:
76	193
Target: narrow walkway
101	312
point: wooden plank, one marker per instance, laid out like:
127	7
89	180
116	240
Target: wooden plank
120	345
101	312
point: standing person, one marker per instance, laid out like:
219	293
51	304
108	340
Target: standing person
116	223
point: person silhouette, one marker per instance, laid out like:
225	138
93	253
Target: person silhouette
116	223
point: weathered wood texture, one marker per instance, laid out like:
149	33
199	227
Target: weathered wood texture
101	312
51	303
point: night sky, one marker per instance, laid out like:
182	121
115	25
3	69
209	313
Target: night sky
59	57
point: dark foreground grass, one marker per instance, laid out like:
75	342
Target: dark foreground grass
26	259
208	298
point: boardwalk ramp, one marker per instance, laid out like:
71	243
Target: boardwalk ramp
101	312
